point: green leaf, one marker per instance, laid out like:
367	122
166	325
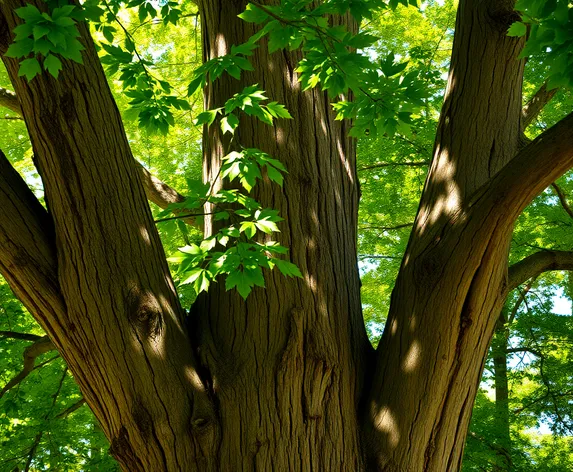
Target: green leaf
274	175
279	39
241	281
252	14
278	110
40	31
73	51
207	117
229	123
23	31
192	275
29	13
517	29
202	283
267	226
20	48
287	268
53	65
29	68
191	249
249	228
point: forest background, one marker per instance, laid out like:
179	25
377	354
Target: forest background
527	386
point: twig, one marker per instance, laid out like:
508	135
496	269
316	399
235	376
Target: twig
562	199
18	335
68	411
41	346
378	165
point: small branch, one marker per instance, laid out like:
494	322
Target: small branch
515	350
494	447
156	191
68	411
562	199
522	294
8	99
23	336
184	216
537	263
388	228
377	256
31	353
533	107
379	165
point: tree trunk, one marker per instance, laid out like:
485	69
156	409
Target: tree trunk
501	422
287	364
111	308
452	283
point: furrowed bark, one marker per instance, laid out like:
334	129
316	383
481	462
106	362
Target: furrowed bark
122	331
287	364
452	283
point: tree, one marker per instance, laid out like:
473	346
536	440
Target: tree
286	378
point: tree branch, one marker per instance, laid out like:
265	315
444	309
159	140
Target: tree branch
156	190
68	411
378	165
537	263
562	199
515	350
31	353
22	336
8	99
28	255
532	170
523	293
388	228
535	104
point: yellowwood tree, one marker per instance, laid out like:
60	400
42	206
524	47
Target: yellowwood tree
284	378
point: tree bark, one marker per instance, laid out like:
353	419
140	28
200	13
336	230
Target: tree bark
501	385
110	304
287	364
453	279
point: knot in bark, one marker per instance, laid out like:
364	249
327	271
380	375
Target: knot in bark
144	313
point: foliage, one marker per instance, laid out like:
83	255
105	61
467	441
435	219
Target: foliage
550	27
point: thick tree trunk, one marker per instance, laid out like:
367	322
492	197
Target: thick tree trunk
453	278
287	365
111	308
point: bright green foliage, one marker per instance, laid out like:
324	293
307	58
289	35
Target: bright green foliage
232	64
244	257
47	36
340	61
550	25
